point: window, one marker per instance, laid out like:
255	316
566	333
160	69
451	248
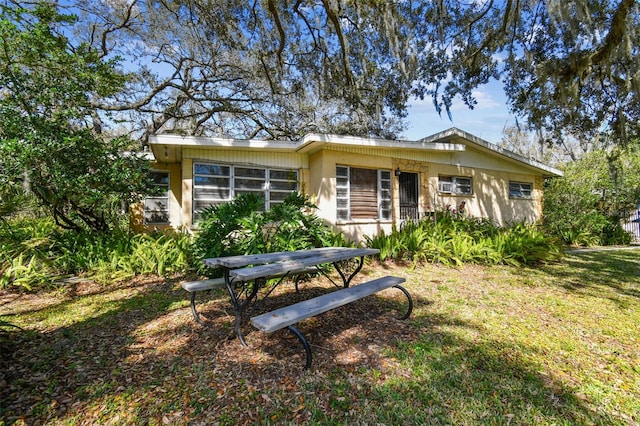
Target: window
363	193
215	184
211	185
342	193
520	189
156	208
281	184
249	181
455	185
385	194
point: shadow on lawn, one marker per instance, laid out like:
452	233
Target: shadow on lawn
457	381
146	360
618	271
46	373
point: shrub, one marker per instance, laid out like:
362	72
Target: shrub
25	250
121	255
613	233
240	227
451	239
35	253
25	273
222	221
584	207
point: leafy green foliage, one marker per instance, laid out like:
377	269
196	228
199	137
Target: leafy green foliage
25	273
24	252
121	255
452	239
36	254
50	132
222	220
239	227
13	200
585	206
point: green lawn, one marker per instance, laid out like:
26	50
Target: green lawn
557	344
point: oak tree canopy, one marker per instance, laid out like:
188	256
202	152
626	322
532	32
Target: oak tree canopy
279	69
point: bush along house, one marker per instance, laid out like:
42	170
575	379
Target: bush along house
361	186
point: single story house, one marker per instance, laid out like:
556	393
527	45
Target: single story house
360	185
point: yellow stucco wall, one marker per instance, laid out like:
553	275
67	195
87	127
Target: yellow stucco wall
175	201
317	178
186	186
490	196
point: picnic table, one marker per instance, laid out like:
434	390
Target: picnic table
245	275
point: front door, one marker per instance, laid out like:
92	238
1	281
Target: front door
408	183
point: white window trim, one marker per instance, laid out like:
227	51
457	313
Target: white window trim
266	187
348	192
381	198
379	173
164	197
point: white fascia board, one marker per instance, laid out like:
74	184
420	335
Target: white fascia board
206	142
308	142
316	140
442	142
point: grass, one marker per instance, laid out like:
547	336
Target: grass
557	344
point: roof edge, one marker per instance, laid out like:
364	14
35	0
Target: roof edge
311	139
455	132
441	141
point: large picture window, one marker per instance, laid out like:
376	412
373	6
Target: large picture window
215	184
363	193
156	208
455	185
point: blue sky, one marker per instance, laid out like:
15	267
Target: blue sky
486	120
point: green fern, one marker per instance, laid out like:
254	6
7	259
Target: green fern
453	240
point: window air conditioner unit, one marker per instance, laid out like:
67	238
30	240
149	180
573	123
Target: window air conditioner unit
445	186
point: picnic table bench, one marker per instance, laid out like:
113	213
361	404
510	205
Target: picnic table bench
244	275
194	287
292	314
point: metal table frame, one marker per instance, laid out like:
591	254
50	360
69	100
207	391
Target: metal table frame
245	275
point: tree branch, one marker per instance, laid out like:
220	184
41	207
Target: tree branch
343	43
616	32
274	12
614	37
147	99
